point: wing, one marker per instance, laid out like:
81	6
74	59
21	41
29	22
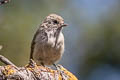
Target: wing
33	44
40	36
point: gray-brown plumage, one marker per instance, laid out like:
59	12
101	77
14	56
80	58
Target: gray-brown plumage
48	42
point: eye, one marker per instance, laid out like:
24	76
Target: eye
49	22
56	22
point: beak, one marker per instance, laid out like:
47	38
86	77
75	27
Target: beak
64	25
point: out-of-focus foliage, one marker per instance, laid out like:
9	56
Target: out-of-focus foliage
92	37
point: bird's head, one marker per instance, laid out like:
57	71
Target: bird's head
54	21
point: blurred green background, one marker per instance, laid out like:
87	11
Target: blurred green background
92	38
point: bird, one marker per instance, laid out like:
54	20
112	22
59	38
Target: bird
47	46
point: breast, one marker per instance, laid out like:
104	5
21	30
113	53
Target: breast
55	53
60	44
47	53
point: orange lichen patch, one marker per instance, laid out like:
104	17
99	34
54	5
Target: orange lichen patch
8	70
60	74
60	77
69	74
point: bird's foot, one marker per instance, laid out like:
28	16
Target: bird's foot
56	66
60	70
31	63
